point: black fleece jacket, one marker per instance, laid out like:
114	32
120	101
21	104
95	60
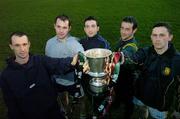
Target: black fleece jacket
157	85
28	89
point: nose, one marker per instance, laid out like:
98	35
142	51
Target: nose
22	48
60	30
123	31
157	38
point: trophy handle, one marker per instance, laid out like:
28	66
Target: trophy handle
117	59
82	58
122	58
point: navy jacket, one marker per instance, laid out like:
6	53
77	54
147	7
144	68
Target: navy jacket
94	42
28	89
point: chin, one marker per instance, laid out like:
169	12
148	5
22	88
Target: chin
91	35
61	37
123	38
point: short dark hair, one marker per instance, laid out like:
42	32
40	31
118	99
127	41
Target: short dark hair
164	24
91	18
16	33
63	17
132	20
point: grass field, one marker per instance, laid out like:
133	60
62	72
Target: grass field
36	17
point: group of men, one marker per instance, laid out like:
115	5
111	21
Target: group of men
148	80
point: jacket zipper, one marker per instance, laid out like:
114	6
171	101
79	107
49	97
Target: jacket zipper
166	92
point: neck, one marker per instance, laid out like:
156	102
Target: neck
128	38
161	50
22	60
93	36
63	39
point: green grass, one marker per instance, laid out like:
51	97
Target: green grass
36	17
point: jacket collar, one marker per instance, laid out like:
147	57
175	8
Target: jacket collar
94	37
169	53
122	43
11	63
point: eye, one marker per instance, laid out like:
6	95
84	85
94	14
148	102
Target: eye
86	26
93	26
16	45
161	35
25	44
154	35
65	27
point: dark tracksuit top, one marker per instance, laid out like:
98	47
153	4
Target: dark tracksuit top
28	89
96	41
157	84
124	86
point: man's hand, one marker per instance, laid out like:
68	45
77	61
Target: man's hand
86	67
75	60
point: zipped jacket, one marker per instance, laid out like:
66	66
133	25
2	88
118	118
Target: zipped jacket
157	84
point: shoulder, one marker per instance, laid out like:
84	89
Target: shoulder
82	40
52	40
144	51
131	45
176	63
3	72
6	73
101	38
176	58
36	59
73	39
106	43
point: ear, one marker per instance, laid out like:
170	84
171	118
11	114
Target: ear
171	37
69	28
29	43
54	26
11	46
84	29
97	28
134	31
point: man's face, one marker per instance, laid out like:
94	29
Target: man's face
62	28
160	38
20	46
91	28
126	31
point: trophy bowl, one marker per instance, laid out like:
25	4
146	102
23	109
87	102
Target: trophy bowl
97	58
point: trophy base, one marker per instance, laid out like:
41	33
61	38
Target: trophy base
96	74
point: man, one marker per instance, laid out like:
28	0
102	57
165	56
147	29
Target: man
27	88
93	39
63	45
157	88
124	86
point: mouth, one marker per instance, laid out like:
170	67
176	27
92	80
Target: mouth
22	53
156	43
61	34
